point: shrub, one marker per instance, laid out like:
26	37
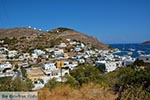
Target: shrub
85	74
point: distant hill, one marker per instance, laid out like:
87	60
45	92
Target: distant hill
27	38
146	43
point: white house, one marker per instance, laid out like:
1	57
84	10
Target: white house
81	61
127	60
12	53
110	66
39	52
5	65
49	49
2	50
58	52
72	66
68	40
73	43
86	56
145	58
82	45
2	41
77	49
62	45
53	72
66	63
50	66
34	56
21	64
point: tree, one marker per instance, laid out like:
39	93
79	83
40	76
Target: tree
138	62
29	84
71	81
133	84
24	72
85	74
52	84
22	85
102	69
7	84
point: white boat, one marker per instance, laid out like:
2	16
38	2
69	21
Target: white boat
140	52
130	53
131	49
116	50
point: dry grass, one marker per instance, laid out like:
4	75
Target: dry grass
87	92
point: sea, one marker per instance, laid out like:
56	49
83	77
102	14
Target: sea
131	49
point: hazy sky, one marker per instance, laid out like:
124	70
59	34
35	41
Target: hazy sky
111	21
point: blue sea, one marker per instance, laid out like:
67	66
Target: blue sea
134	49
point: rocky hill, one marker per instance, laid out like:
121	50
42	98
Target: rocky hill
74	35
146	43
27	38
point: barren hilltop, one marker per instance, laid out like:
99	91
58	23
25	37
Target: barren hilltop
24	38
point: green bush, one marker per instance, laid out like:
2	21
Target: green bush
85	74
133	83
52	84
7	84
71	81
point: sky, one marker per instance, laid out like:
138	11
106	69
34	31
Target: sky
110	21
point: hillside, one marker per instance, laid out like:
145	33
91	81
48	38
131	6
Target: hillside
74	35
27	38
18	32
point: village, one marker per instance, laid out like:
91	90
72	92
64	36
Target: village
40	66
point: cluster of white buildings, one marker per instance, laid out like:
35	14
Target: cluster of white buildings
111	62
145	58
57	61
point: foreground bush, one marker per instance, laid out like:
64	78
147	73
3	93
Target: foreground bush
7	84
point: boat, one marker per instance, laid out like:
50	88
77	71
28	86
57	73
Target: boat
116	50
140	52
130	53
131	49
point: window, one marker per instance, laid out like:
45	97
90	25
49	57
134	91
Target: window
35	82
147	59
66	73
